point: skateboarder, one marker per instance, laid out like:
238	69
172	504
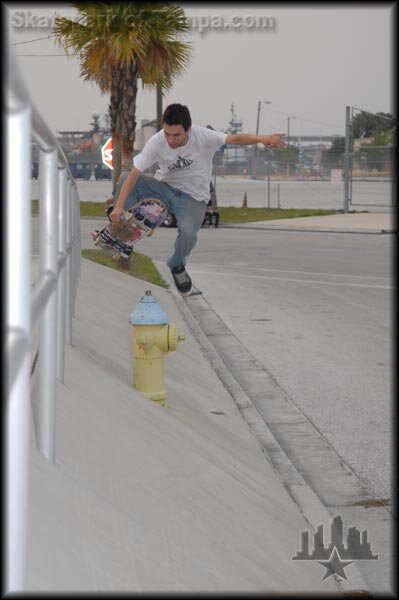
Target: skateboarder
184	154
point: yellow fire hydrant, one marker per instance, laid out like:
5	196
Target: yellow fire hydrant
152	338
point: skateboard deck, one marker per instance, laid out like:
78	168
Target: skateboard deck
138	222
193	292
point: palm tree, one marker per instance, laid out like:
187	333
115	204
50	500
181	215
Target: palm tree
118	44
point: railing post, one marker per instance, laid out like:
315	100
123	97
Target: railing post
17	251
46	420
79	234
68	266
24	305
75	250
62	277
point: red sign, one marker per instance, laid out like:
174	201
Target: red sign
106	152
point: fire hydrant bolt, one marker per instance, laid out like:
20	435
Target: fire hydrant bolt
145	341
174	338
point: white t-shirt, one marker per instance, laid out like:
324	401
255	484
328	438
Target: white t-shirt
189	167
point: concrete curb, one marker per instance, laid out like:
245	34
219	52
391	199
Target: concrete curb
306	499
309	229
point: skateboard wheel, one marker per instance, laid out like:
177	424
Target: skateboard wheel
97	242
150	233
116	256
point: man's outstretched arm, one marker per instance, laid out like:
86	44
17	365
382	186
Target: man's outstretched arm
275	140
126	188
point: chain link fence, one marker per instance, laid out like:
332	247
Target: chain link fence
369	154
325	171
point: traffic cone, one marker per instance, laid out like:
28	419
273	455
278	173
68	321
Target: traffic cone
244	202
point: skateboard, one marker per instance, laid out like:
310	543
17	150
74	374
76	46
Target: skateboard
138	222
193	292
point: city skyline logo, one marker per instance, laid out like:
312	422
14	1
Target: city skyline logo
337	556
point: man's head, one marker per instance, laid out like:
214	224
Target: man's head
176	121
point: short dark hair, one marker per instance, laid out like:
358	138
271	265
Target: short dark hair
177	114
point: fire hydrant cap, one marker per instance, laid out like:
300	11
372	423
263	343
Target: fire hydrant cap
148	312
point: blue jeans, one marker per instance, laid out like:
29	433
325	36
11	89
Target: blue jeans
189	213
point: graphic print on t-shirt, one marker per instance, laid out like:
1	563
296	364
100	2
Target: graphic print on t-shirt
181	163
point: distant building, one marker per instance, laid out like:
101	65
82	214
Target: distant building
357	142
147	130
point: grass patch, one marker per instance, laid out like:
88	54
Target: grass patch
92	209
228	214
87	209
373	502
142	266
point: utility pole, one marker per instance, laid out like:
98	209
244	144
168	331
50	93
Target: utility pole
255	158
159	106
288	130
288	143
268	177
348	132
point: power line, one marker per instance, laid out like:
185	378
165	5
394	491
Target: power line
375	114
320	122
304	119
35	40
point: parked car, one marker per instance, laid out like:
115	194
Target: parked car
80	170
102	172
212	211
170	221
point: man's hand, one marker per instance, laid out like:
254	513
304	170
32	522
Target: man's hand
125	190
116	214
272	141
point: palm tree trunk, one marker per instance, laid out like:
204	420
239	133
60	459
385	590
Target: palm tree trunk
122	112
128	114
114	112
116	160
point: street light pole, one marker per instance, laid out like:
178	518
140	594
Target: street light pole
288	130
268	177
257	132
288	142
159	106
257	119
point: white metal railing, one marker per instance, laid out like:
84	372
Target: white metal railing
49	304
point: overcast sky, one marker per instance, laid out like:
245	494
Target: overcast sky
309	63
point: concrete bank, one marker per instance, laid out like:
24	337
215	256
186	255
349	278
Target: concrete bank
149	498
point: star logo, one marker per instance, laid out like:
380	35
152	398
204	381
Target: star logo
335	565
357	547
